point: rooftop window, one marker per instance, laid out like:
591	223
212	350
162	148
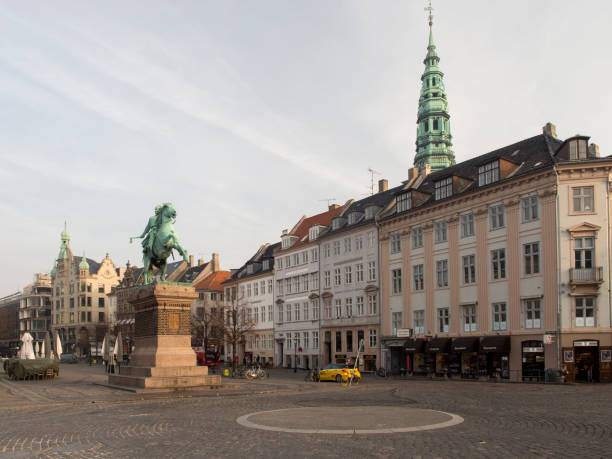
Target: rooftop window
370	212
489	173
353	217
313	233
444	188
404	202
578	149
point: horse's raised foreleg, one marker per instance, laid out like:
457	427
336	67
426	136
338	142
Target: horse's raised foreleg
163	268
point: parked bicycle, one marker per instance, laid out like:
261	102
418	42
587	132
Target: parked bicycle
312	376
256	372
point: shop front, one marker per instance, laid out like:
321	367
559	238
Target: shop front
369	363
396	359
586	360
415	356
533	361
437	359
464	357
494	358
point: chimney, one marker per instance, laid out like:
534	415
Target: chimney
425	170
383	185
200	261
550	130
215	262
412	173
333	206
593	151
191	261
284	233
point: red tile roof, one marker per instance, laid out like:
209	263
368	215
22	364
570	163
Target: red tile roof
302	228
213	281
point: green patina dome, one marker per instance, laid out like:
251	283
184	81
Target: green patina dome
434	139
83	264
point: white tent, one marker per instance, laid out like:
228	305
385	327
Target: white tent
118	350
58	346
27	351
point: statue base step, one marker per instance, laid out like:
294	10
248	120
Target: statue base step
164	377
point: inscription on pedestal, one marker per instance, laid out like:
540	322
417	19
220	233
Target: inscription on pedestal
173	320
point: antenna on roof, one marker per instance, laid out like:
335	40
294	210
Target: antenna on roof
372	172
328	200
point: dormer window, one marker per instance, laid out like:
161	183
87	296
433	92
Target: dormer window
249	269
353	217
266	265
287	241
404	202
370	212
578	149
488	173
335	224
444	188
313	233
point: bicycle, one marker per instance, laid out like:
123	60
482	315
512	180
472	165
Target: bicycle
349	380
312	376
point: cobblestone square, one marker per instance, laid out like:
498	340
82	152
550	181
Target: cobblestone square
74	417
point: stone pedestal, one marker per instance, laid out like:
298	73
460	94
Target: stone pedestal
163	358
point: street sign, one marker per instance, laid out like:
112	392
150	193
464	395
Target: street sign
404	332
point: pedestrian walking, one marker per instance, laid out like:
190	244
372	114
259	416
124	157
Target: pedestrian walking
244	360
590	374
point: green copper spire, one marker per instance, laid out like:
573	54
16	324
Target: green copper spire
433	125
54	270
83	264
64	252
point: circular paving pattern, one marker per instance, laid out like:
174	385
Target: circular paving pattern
349	420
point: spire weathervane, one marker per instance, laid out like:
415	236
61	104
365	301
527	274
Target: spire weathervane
429	8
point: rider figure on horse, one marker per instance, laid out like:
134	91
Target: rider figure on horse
149	232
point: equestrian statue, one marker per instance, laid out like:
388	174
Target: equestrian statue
158	241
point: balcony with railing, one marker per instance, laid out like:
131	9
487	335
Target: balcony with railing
586	276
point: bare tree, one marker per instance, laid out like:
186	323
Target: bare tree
205	324
236	323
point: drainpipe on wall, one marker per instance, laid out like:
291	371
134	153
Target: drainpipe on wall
380	305
558	225
608	240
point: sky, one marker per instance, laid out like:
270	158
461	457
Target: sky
248	115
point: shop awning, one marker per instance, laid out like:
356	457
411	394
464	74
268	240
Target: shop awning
465	344
495	344
415	345
394	342
438	345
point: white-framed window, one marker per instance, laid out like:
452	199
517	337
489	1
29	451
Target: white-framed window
442	273
360	306
256	314
532	313
305	256
358	242
288	312
296	259
500	316
498	264
326	279
347	245
585	311
305	282
348	274
257	342
288	285
419	322
578	149
338	307
336	247
467	225
289	340
348	307
372	305
404	202
417	237
250	342
279	263
287	261
295	284
583	198
270	285
327	308
314	281
440	231
468	316
255	289
443	320
262	287
469	269
270	313
315	254
489	173
529	208
313	233
326	250
353	217
337	276
396	242
396	322
371	270
306	340
371	239
497	218
372	337
248	288
531	258
444	188
280	313
315	340
305	310
396	281
359	272
315	309
418	276
583	252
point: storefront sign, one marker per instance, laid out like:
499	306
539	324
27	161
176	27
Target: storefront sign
548	339
586	343
404	332
533	349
